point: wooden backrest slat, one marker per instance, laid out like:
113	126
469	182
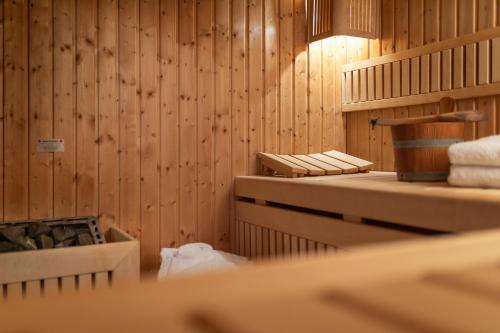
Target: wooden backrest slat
360	163
311	169
329	169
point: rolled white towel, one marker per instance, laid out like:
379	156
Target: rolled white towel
483	152
474	176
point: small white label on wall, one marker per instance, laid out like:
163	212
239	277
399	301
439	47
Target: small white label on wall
50	146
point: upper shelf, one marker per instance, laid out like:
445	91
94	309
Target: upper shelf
327	18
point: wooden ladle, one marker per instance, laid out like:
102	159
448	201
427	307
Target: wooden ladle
446	114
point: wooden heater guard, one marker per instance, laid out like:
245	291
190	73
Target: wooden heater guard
39	273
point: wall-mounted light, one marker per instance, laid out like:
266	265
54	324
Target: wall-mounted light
357	18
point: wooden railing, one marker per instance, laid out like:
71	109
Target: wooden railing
464	67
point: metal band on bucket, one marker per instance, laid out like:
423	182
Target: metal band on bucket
425	143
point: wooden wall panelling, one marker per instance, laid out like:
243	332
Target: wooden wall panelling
129	140
301	72
205	115
87	113
485	20
285	76
64	106
15	48
170	145
108	114
150	135
40	108
222	133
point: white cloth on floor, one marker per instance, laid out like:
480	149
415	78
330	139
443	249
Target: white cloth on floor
474	176
194	258
482	152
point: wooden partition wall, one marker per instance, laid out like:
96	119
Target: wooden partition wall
160	104
409	24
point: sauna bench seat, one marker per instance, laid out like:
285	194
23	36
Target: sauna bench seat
286	215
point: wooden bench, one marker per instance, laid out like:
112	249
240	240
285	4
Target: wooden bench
289	216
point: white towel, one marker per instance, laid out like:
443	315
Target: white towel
482	152
474	176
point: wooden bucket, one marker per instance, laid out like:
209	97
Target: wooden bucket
421	150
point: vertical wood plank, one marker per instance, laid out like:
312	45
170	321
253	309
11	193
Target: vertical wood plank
205	114
416	38
33	289
387	80
340	59
253	241
483	75
271	19
239	97
466	23
87	113
2	114
388	46
447	72
258	242
40	108
415	76
129	143
84	282
486	19
108	114
265	242
375	136
396	79
355	86
170	145
14	290
470	65
405	77
65	107
458	67
315	97
436	72
379	82
222	122
255	80
425	64
150	135
68	285
285	76
495	56
51	287
330	137
16	110
101	280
